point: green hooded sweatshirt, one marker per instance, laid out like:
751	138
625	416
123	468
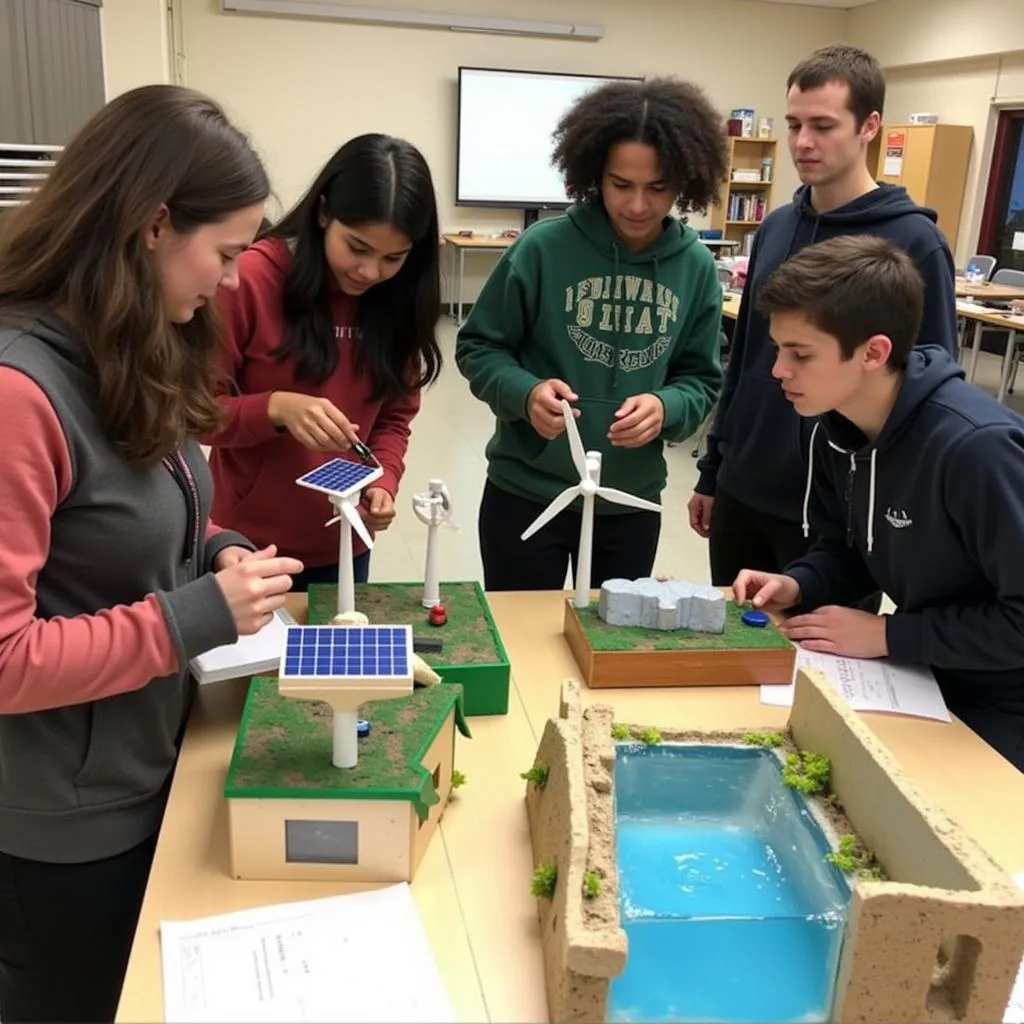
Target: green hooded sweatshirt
569	300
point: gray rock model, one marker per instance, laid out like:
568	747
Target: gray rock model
654	604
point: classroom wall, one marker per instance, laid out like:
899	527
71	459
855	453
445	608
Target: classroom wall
135	49
954	59
301	87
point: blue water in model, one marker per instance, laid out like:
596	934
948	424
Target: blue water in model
731	909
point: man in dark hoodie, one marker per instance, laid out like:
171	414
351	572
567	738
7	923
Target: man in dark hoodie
748	497
916	487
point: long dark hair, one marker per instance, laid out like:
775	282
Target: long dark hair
372	178
77	247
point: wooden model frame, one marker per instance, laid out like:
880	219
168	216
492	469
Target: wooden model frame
945	894
276	785
680	667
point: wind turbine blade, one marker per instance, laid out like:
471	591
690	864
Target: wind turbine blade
332	521
579	456
350	513
622	498
563	501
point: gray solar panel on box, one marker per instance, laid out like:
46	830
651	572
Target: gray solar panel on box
352	652
340	477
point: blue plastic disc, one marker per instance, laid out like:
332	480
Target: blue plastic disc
362	727
755	618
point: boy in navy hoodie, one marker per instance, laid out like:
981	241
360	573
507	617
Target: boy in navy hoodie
748	495
914	485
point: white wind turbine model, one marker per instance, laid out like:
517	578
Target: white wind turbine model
343	482
433	509
588	465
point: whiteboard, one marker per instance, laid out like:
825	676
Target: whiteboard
505	146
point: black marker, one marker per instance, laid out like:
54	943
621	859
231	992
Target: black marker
362	451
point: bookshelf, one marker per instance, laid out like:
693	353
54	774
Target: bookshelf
745	202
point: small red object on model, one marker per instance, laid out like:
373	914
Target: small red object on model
437	615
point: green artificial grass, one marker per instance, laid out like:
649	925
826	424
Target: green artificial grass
737	636
468	636
284	747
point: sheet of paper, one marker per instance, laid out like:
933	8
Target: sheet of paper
329	960
1015	1009
1018	241
893	166
260	652
870	685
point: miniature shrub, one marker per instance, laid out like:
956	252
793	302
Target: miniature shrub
767	740
538	775
807	772
591	885
542	885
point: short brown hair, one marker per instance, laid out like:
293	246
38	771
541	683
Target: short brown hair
852	287
854	67
673	116
77	248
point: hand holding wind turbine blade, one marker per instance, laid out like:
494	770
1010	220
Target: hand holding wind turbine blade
579	455
563	501
350	513
622	498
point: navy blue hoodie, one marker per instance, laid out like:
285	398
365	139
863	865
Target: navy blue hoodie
757	446
931	512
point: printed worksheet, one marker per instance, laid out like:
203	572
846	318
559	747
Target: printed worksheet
869	684
329	960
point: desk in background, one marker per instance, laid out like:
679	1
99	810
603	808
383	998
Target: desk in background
472	888
987	291
981	316
458	246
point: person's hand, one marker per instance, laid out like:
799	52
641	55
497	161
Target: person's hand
833	629
768	590
544	409
638	420
254	587
229	556
699	509
316	423
377	508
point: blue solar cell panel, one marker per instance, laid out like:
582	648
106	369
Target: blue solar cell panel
339	476
338	651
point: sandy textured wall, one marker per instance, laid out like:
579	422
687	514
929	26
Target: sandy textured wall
943	939
572	825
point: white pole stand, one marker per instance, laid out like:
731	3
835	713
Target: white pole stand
431	584
346	572
584	555
346	739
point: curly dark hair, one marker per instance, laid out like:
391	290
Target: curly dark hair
674	117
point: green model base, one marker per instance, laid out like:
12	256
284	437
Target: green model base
284	748
472	657
736	637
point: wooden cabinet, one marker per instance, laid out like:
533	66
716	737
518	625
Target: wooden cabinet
930	161
746	195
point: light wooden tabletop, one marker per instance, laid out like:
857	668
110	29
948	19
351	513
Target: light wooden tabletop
478	241
472	889
988	290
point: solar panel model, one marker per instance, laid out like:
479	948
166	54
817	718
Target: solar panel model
340	477
335	654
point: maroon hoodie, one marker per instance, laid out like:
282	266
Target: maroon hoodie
255	465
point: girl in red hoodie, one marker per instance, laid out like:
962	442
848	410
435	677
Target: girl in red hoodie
328	340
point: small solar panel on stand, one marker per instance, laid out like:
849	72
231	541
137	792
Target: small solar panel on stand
346	667
343	482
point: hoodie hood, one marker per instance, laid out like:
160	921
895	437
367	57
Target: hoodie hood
757	449
592	221
867	212
928	370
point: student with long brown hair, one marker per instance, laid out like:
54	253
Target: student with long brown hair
111	576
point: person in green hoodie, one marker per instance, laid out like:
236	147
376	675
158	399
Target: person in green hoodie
614	307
